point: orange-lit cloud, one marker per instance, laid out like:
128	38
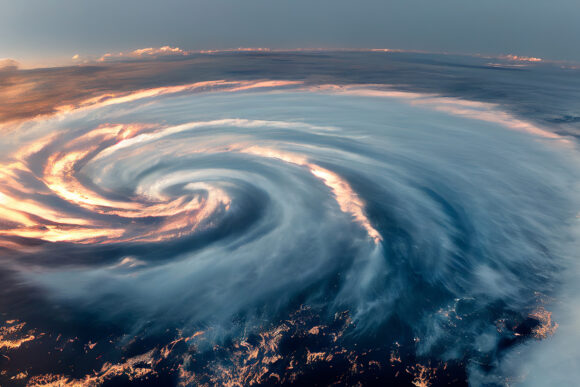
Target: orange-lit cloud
470	109
8	64
35	220
521	58
345	196
150	52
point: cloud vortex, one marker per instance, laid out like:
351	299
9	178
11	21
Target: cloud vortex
225	206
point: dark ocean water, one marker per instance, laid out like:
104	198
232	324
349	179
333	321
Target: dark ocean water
291	219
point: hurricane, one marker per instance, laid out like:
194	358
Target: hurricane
276	230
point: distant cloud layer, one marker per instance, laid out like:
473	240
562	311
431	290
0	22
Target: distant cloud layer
149	52
45	91
8	64
40	32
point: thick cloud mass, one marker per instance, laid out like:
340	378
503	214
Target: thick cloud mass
439	226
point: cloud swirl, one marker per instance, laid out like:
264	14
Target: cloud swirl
222	205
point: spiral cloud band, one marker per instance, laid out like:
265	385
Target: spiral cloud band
243	214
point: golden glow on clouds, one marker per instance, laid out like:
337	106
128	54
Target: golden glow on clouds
8	63
13	335
521	58
35	220
546	326
345	196
133	368
165	50
120	98
470	109
28	218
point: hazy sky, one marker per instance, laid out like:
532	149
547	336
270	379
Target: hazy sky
45	30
